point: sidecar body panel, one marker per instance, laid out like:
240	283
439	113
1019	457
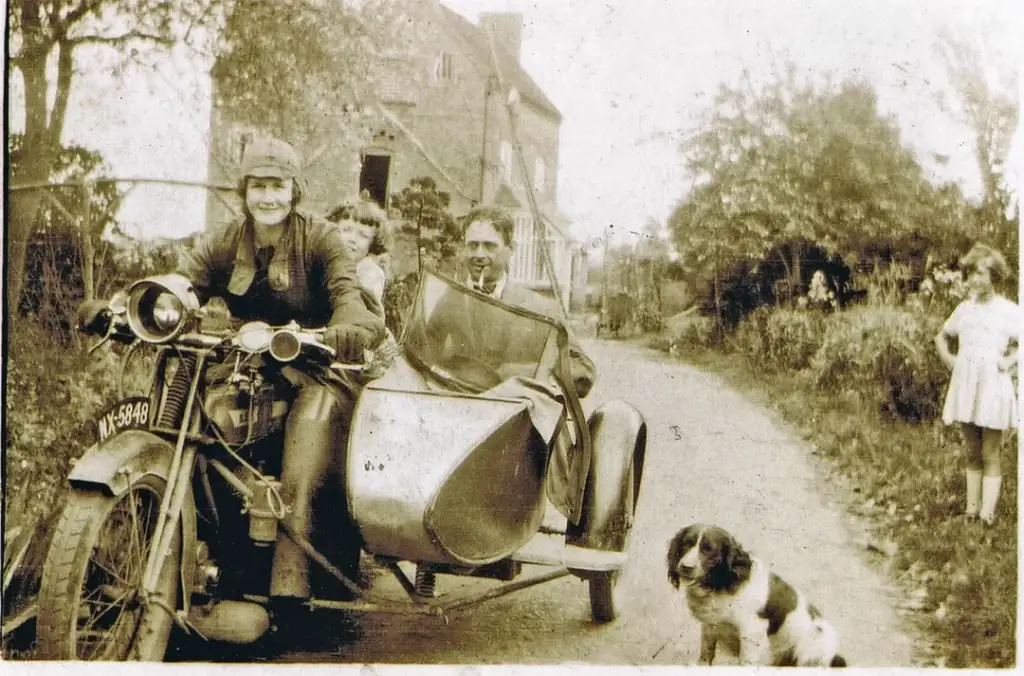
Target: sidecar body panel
445	478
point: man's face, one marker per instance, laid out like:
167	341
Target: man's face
485	252
269	199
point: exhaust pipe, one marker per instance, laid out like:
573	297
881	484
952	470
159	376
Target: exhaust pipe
238	622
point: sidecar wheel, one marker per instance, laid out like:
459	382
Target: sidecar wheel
89	605
602	596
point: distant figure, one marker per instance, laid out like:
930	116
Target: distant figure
981	395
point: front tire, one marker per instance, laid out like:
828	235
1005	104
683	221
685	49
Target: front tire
89	604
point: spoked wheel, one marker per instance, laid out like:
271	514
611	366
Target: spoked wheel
90	598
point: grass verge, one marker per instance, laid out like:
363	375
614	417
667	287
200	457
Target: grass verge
907	480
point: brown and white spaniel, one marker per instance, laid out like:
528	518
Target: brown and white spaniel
741	604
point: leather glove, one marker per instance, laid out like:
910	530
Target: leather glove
92	316
348	341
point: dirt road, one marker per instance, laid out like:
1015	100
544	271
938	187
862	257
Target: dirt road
713	456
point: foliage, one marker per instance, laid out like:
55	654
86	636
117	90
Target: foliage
886	355
425	213
783	339
308	70
697	333
647	316
54	279
53	394
398	297
990	107
47	40
798	165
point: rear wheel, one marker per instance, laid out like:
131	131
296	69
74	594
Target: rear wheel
90	604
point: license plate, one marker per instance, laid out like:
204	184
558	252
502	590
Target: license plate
128	414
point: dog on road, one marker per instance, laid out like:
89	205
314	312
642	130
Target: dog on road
742	605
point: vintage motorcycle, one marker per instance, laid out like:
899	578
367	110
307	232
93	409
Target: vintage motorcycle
173	514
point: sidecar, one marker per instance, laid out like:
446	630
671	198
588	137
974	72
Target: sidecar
456	454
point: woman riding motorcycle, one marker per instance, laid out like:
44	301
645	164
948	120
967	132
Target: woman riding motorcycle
277	264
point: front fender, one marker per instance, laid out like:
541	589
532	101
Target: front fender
115	464
618	436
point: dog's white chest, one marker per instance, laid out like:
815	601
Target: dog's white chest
713	608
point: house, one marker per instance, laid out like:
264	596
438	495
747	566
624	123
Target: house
442	115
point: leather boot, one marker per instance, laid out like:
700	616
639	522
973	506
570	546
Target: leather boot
310	437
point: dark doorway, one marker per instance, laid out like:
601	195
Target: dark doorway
374	178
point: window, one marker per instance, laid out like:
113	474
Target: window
507	161
539	174
444	69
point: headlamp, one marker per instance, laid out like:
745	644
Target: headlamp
161	307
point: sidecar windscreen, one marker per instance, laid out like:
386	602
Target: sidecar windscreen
474	342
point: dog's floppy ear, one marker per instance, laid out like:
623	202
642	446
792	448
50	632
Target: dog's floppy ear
837	661
737	560
675	553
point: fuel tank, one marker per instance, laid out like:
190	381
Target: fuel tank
441	477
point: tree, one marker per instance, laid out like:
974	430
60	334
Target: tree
308	70
424	211
45	32
990	108
59	254
792	166
268	54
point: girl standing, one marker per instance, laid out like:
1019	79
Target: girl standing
981	395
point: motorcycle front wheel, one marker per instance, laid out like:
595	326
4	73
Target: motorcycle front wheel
90	603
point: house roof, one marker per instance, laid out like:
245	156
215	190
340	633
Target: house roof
476	39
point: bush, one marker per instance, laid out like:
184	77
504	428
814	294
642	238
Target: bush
887	355
647	316
398	297
698	332
781	338
54	394
794	337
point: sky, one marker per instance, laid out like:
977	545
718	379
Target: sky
630	77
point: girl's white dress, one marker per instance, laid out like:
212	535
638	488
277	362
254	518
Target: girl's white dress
978	392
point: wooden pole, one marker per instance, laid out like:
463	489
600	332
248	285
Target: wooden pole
85	231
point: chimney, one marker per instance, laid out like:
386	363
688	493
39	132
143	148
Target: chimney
507	29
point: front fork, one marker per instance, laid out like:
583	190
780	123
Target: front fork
178	484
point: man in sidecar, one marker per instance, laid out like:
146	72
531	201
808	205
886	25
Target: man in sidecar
277	263
487	234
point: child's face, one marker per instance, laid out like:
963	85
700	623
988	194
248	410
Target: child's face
357	237
979	280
